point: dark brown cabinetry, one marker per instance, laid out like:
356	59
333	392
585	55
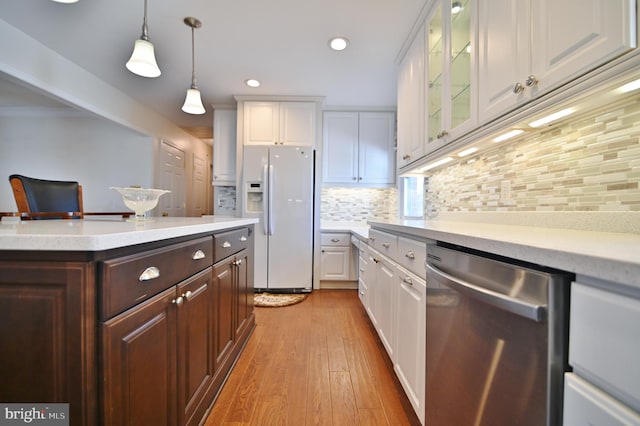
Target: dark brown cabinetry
141	335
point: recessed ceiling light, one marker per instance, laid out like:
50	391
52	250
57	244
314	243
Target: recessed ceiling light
252	82
552	117
338	43
65	1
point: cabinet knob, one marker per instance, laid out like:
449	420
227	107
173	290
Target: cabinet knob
238	262
408	280
226	244
354	178
410	255
385	245
531	81
406	157
518	88
243	238
178	301
335	240
372	238
150	273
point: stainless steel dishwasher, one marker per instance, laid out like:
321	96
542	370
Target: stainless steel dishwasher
497	339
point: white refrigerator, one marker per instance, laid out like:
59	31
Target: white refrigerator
277	187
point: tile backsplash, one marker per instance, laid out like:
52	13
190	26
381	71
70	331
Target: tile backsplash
589	163
358	204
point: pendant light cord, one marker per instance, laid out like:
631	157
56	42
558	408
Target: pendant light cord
145	34
193	58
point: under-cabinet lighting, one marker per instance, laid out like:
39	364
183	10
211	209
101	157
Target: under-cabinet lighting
468	151
552	117
629	87
436	164
456	7
508	135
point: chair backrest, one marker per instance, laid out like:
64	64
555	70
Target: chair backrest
46	196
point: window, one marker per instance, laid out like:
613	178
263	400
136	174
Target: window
413	197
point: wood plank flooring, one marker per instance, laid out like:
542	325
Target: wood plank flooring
318	362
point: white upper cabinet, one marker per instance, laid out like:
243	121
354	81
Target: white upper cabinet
358	148
529	47
279	123
451	71
411	90
224	146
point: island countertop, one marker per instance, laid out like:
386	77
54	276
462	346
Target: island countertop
98	235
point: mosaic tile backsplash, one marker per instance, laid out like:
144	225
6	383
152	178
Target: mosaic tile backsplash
589	163
358	204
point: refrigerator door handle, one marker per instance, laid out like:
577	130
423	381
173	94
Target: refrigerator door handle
270	201
265	204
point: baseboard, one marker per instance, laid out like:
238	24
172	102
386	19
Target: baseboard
346	285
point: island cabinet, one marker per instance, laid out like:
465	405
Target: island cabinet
144	334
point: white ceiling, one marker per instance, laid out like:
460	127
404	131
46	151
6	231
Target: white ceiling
283	43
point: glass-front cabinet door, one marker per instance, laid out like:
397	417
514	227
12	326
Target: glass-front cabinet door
435	77
451	71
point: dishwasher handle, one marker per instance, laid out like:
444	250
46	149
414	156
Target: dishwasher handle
524	309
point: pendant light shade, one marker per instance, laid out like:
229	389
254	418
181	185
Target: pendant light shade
193	101
143	59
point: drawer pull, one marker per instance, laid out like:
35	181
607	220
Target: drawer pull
226	244
150	273
410	255
178	302
243	238
335	240
408	280
199	254
385	245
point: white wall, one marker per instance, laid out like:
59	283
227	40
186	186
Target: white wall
92	151
38	66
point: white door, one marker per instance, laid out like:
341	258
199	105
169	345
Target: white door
571	37
261	123
200	186
297	123
504	58
376	145
172	178
340	147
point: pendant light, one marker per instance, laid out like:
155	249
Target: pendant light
193	101
143	59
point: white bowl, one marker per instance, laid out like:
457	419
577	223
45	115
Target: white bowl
140	200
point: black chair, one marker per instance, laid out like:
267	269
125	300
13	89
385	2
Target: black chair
50	199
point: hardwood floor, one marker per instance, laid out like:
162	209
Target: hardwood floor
319	362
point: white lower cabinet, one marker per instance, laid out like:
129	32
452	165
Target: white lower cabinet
336	260
411	336
393	292
604	348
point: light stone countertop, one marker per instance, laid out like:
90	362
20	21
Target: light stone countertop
611	256
359	229
97	235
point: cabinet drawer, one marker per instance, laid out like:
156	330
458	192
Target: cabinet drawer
129	280
604	341
584	404
412	255
228	243
384	242
331	239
